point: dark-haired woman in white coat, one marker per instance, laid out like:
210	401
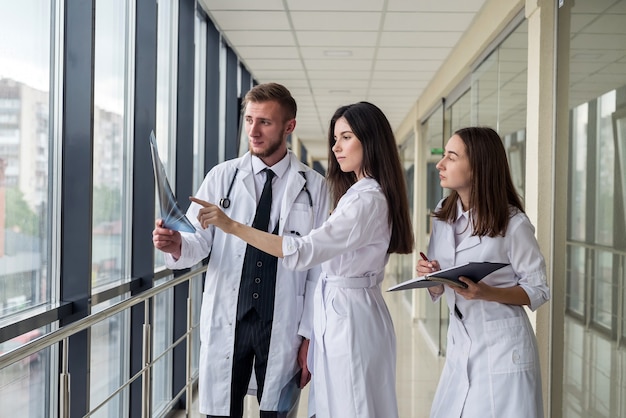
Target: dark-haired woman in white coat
492	363
352	355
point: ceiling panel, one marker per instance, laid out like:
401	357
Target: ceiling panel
335	52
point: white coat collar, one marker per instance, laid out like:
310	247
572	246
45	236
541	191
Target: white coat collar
471	240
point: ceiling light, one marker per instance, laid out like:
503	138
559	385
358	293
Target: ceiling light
339	91
338	53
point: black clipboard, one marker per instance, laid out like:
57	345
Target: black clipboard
474	271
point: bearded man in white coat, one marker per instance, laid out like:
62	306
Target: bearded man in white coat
255	313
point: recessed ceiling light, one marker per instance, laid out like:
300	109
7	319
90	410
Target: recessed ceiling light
338	53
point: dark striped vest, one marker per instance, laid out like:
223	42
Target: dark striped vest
258	283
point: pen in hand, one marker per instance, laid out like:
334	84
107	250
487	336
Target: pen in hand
432	267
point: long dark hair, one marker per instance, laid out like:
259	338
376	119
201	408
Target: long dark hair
492	191
381	162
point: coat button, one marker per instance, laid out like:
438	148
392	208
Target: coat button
515	356
255	295
259	263
257	280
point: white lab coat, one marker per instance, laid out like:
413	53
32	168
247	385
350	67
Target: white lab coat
294	290
492	363
352	354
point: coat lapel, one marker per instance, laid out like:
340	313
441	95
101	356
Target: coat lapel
469	242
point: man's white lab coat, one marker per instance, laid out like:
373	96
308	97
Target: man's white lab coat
294	290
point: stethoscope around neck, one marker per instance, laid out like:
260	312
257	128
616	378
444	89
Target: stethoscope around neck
225	201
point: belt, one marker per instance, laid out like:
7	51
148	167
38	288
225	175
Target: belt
360	282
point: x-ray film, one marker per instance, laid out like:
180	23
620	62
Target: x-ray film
173	217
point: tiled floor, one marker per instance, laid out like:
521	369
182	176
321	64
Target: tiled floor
418	366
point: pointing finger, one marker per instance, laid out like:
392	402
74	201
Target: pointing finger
199	201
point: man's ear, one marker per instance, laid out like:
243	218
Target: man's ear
290	126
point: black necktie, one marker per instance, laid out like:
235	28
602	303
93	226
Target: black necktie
262	217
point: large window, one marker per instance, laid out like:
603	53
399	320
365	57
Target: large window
592	48
111	166
167	52
498	94
166	93
24	154
26	123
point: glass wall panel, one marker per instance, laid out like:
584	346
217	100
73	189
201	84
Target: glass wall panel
108	364
512	84
110	165
578	173
25	165
195	290
602	309
605	166
498	92
403	264
459	113
484	91
161	353
199	101
434	321
575	294
25	385
592	51
110	199
25	153
166	94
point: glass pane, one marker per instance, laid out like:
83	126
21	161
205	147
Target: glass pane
574	392
165	95
603	290
406	269
460	113
485	85
575	296
109	366
605	185
24	154
515	146
25	385
432	132
513	75
196	302
592	47
578	170
600	377
199	102
162	329
109	143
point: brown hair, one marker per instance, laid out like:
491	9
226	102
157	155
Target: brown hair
492	191
381	162
272	92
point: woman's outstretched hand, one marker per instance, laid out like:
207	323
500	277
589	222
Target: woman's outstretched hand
210	214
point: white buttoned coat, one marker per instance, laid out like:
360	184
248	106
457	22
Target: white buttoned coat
492	363
293	306
352	355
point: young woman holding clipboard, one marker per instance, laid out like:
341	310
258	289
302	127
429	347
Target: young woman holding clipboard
492	363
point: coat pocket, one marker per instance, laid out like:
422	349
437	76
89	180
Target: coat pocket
511	345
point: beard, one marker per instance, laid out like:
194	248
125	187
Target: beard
271	149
